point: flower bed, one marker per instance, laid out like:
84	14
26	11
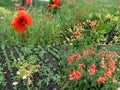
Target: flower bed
90	68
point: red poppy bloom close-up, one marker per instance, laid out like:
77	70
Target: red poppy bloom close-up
21	22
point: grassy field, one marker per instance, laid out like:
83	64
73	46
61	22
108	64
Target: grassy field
44	31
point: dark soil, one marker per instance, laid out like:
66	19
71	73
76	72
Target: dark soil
13	51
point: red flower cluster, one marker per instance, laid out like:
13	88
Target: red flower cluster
94	25
56	4
22	21
110	68
71	58
75	75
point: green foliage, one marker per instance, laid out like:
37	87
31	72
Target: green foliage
2	77
25	66
103	14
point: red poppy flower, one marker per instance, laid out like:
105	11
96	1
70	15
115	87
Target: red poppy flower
70	59
75	74
22	8
105	76
72	76
28	2
91	71
93	66
82	66
95	25
22	21
111	63
101	80
85	53
78	75
108	71
50	6
91	52
90	23
79	24
77	34
112	69
101	54
77	56
56	3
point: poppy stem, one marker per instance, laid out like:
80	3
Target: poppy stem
22	34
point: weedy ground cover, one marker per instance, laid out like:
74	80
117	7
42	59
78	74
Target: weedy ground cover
29	67
90	22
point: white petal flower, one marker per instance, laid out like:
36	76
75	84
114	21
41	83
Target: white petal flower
24	77
18	73
14	83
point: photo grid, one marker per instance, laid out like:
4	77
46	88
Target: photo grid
59	44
